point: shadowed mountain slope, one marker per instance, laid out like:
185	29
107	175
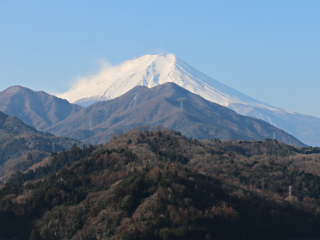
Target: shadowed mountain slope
22	146
37	109
167	105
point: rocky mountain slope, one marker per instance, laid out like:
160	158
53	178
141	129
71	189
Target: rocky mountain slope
167	105
152	70
38	109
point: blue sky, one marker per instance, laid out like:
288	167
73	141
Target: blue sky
268	49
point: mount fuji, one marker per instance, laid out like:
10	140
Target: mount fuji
153	70
150	71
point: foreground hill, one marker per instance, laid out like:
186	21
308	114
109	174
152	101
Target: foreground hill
22	146
161	185
37	109
152	70
167	105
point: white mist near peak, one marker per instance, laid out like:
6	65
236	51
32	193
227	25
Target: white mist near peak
151	70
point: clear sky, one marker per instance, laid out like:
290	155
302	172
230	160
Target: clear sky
267	49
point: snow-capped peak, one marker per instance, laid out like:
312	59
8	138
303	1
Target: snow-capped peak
151	70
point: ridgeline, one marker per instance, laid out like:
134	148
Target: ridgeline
157	184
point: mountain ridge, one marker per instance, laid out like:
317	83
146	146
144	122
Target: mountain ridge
167	105
36	108
161	185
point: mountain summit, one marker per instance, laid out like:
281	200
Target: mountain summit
153	70
150	71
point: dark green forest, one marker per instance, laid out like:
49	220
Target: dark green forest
158	184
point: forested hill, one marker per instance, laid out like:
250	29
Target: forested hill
21	146
12	125
160	185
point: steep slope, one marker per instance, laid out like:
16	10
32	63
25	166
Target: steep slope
152	70
37	109
22	146
167	105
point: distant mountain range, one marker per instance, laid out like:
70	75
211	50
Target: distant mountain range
153	70
167	105
21	146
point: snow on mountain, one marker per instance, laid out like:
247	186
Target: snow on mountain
152	70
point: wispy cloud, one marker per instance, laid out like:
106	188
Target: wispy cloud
83	81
